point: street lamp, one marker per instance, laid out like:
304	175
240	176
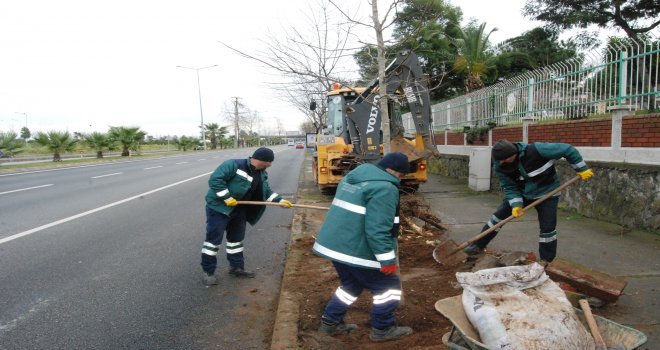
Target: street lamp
199	91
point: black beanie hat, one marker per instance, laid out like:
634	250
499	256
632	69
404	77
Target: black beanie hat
396	161
264	154
504	149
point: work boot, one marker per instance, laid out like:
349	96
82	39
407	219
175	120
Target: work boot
209	279
240	272
390	333
472	250
335	328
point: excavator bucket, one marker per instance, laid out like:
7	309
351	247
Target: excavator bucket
400	144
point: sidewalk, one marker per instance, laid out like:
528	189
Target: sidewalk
605	247
632	255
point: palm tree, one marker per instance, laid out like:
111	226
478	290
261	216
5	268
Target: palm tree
184	142
212	134
100	142
128	137
474	59
57	142
9	144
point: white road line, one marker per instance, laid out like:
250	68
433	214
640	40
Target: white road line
180	163
70	218
25	189
199	160
153	167
113	174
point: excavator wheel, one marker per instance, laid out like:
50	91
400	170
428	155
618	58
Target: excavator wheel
409	188
328	190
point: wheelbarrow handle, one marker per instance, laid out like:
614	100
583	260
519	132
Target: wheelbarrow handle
511	217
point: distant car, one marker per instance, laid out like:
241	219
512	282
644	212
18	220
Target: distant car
290	142
300	145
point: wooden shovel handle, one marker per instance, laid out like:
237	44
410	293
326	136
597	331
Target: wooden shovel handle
593	327
511	217
280	205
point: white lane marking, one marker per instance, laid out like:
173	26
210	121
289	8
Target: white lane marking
180	163
40	304
70	218
25	189
153	167
199	160
113	174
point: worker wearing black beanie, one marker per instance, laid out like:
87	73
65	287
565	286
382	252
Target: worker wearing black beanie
264	154
233	181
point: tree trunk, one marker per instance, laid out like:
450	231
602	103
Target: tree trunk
382	85
57	157
125	152
99	154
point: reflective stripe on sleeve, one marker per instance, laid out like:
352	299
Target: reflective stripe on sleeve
222	193
545	167
396	219
579	165
272	197
512	201
386	256
349	206
392	294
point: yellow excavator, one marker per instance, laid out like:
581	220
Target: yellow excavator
353	133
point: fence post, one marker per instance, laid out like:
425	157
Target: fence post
618	112
623	77
530	97
448	115
527	121
468	110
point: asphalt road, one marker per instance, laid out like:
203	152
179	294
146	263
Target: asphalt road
107	257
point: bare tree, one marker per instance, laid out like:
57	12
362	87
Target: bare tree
308	60
380	25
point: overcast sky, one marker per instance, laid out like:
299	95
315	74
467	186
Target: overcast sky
85	65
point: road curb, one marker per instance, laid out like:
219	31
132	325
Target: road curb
285	329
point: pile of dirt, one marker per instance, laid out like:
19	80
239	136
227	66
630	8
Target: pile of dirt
424	282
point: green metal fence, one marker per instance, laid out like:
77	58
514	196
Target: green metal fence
625	73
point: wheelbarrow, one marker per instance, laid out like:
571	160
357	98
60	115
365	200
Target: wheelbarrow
464	337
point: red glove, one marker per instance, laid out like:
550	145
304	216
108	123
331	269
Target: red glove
388	269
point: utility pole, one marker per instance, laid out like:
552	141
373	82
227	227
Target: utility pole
236	128
199	92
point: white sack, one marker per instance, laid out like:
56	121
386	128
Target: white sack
519	307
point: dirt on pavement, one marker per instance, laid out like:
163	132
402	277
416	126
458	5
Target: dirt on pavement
314	280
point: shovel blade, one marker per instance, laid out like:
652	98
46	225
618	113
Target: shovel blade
445	253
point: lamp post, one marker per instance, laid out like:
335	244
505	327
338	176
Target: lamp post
199	92
25	114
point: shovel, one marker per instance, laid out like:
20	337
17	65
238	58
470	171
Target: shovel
593	327
445	253
280	205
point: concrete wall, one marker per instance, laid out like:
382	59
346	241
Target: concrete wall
621	193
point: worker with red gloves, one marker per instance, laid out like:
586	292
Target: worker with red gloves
359	236
526	173
233	180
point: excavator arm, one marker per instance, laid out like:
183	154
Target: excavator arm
404	82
